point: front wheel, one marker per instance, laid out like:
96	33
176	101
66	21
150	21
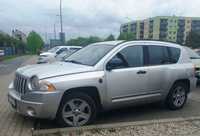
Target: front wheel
177	96
76	109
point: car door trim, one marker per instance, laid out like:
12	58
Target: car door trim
135	97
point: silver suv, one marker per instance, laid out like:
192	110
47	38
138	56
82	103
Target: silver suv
103	76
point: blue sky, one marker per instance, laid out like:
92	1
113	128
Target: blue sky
86	17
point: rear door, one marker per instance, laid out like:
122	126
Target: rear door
157	65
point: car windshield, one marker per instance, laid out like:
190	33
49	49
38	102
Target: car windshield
192	54
53	49
90	55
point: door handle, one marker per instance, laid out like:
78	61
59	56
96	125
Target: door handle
141	72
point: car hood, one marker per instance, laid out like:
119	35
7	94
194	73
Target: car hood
47	53
53	69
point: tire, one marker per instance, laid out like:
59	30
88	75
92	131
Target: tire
177	96
76	106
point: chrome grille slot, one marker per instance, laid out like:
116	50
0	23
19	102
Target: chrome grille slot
20	83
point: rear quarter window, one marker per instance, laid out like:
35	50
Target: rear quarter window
174	54
158	55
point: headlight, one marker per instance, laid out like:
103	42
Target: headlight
35	84
46	86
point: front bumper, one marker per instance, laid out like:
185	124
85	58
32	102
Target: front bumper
35	104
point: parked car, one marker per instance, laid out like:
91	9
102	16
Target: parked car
104	76
65	54
2	53
195	58
49	56
197	51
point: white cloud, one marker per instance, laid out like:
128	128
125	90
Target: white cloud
87	17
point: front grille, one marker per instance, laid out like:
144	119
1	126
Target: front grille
20	83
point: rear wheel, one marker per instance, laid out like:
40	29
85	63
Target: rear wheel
76	109
177	96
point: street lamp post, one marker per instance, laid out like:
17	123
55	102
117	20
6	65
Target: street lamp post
61	25
54	26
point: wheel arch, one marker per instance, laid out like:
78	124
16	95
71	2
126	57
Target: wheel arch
91	91
185	81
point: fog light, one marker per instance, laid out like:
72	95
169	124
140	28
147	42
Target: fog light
31	112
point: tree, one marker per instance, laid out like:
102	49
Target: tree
34	42
127	36
193	40
83	41
122	36
110	38
17	46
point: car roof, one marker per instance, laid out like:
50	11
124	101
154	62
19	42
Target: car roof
135	42
154	42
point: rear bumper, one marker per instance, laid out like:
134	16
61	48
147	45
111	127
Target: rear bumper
39	105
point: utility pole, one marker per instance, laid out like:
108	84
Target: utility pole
61	25
54	26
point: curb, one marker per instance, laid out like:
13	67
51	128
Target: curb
112	125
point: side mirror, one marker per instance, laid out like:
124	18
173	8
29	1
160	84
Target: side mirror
108	67
114	63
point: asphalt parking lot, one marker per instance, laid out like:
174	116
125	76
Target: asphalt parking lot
12	124
10	65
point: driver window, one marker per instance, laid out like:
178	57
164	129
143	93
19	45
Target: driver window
131	56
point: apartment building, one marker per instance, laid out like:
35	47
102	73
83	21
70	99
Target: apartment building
167	28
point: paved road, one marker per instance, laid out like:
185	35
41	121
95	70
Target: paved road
12	124
9	66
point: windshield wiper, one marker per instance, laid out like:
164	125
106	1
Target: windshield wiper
73	61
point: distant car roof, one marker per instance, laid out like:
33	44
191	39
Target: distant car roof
109	42
68	47
75	47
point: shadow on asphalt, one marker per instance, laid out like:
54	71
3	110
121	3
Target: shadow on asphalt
119	115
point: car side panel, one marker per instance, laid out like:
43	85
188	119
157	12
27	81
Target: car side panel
89	79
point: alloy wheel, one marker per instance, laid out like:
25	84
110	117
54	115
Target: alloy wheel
179	96
76	112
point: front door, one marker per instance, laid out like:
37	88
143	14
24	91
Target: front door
125	75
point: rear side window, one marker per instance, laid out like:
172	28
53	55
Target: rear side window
158	55
174	54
